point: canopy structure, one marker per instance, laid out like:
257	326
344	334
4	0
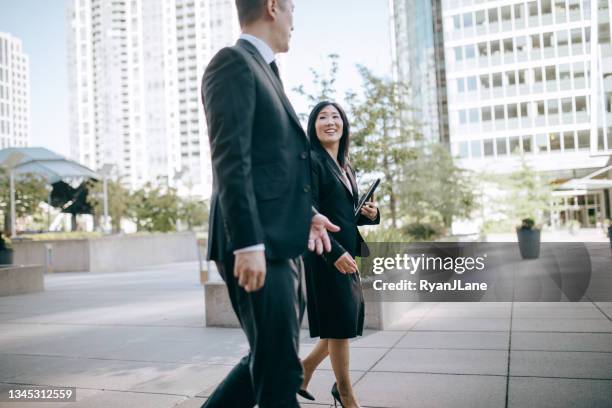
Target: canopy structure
67	177
43	162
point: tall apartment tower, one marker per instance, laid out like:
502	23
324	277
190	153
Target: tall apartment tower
14	93
533	80
417	47
136	67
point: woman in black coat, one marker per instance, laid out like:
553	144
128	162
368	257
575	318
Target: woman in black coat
335	297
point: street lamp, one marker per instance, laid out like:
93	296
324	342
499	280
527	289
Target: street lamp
105	172
11	162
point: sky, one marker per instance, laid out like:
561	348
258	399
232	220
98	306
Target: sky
356	30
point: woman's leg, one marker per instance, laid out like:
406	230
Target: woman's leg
339	356
310	363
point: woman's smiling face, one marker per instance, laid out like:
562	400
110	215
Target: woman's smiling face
329	126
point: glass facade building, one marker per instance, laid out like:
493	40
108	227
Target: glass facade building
533	80
418	62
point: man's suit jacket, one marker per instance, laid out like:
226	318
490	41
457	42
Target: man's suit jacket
260	158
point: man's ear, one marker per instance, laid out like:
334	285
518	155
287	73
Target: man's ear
272	8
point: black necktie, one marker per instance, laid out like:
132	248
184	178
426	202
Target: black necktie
275	70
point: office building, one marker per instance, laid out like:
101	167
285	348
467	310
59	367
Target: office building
14	93
135	73
533	80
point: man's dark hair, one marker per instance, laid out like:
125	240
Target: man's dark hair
251	10
343	148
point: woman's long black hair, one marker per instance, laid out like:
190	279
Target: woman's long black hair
344	140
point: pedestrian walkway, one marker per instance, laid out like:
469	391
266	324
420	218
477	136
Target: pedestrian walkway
137	339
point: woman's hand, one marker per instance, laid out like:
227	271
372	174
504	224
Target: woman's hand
369	210
346	263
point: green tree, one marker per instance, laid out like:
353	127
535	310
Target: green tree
435	190
530	195
193	212
30	191
382	142
155	208
119	201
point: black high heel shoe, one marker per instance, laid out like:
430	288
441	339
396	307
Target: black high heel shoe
336	394
305	394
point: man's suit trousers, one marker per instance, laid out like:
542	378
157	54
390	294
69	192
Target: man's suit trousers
271	374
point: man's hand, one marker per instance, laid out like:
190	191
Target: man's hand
250	269
346	263
318	238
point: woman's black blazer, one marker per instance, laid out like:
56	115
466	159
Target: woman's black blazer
332	198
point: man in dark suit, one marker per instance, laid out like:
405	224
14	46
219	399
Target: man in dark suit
261	218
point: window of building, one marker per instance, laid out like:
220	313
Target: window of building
512	111
467	20
604	33
495	48
551	73
569	142
460	85
562	38
535	41
560	13
458	54
564	72
482	50
470	51
493	17
518	11
480	18
488	147
576	36
524	109
533	8
584	139
511	78
464	152
555	142
537	74
581	104
542	143
509	46
502	148
515	145
474	115
527	145
521	76
486	113
578	70
499	112
546	7
476	149
497	80
462	117
506	14
521	44
547	40
566	105
471	83
484	82
541	111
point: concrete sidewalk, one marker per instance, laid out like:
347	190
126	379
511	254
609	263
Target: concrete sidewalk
136	339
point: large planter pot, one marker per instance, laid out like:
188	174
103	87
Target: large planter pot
529	243
6	257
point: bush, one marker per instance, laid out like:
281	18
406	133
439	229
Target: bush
527	224
5	243
422	231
